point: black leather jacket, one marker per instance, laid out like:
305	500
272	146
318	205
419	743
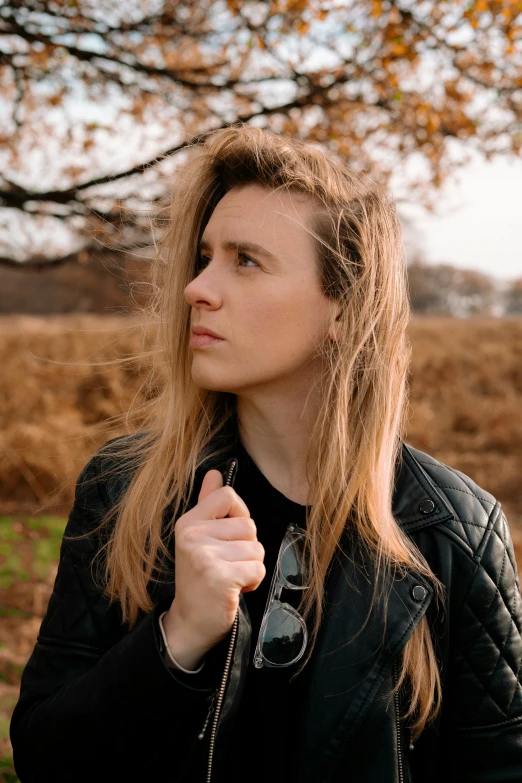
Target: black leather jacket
98	703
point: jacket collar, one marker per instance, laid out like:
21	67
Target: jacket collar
416	501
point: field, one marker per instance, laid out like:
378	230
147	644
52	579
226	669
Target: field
60	385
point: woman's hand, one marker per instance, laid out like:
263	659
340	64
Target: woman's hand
218	557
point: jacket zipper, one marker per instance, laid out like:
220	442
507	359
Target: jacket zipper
398	727
216	700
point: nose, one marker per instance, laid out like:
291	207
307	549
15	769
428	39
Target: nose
203	290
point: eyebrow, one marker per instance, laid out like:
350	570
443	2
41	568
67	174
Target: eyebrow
249	247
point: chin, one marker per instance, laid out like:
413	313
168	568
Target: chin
211	381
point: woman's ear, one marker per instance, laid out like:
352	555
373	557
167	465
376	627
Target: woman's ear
333	332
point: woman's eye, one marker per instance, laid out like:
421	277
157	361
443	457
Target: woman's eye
242	256
202	261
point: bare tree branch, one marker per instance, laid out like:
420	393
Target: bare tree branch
202	65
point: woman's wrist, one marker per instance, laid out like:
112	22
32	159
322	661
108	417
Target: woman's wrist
184	650
170	660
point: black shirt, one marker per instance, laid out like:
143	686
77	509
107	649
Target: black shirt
264	743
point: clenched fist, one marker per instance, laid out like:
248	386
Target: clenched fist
217	557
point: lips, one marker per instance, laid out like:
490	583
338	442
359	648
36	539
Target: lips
205	330
203	337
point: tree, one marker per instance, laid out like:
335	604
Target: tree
513	297
95	94
443	289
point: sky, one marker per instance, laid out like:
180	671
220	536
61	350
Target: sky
478	224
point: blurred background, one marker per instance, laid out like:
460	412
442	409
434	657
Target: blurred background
97	99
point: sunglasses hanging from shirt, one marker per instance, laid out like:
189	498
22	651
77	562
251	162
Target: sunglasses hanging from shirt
283	634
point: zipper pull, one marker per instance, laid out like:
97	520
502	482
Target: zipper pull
212	700
410	744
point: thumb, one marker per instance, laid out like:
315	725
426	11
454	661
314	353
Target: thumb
213	479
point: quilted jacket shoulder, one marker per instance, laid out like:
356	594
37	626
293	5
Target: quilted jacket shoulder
471	504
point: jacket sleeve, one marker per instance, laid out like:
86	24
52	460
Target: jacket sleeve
97	700
484	687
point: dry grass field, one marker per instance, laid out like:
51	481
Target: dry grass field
60	385
56	396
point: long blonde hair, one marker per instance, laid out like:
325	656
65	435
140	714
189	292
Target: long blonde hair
356	439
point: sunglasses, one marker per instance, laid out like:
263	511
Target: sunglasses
283	634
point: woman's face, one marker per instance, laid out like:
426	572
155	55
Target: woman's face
258	289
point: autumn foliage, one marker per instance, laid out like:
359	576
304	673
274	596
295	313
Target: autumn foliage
98	98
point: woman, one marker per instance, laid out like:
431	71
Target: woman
343	606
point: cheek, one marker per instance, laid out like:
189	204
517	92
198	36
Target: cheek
272	315
292	321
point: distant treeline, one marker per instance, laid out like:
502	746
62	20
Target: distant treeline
443	289
112	283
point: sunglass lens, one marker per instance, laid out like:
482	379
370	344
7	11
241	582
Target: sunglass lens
292	563
283	636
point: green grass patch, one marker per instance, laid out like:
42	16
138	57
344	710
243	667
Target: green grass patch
11	611
55	525
7	773
28	547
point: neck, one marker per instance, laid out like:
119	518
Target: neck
276	432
